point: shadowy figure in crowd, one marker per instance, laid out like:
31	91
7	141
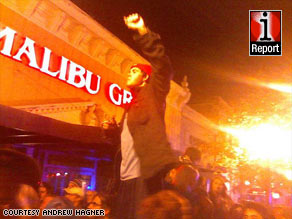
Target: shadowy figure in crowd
184	180
220	199
146	153
100	202
59	202
19	177
254	210
202	206
90	194
191	156
73	198
45	194
236	211
199	199
75	193
166	204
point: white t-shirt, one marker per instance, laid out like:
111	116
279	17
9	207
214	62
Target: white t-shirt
130	166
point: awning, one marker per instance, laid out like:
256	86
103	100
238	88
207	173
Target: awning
20	127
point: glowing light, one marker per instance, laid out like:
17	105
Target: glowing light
287	173
228	186
246	182
58	174
65	173
275	195
265	142
286	88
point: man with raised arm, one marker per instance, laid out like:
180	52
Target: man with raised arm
146	153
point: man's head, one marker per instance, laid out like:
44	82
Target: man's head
138	75
194	154
18	168
165	204
184	178
255	210
45	190
19	177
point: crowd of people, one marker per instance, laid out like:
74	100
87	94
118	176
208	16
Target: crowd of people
185	197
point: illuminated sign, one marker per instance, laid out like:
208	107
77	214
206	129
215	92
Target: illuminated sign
66	70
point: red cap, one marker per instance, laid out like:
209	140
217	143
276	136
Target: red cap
143	67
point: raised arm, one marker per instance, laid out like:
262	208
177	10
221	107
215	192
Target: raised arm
151	46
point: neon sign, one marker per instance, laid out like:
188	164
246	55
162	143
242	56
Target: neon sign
66	70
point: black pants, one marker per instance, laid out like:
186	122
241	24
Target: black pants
131	193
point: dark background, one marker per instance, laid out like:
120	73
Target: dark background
208	41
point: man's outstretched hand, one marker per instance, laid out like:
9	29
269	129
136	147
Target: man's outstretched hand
136	22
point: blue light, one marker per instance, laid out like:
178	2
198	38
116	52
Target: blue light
88	187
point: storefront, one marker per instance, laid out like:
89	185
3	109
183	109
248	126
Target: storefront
64	151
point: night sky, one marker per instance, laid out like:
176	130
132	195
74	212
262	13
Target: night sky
206	40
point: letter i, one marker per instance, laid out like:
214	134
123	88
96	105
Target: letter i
265	21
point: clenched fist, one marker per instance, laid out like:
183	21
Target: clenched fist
136	22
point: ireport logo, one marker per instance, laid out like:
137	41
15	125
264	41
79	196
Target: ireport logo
265	32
